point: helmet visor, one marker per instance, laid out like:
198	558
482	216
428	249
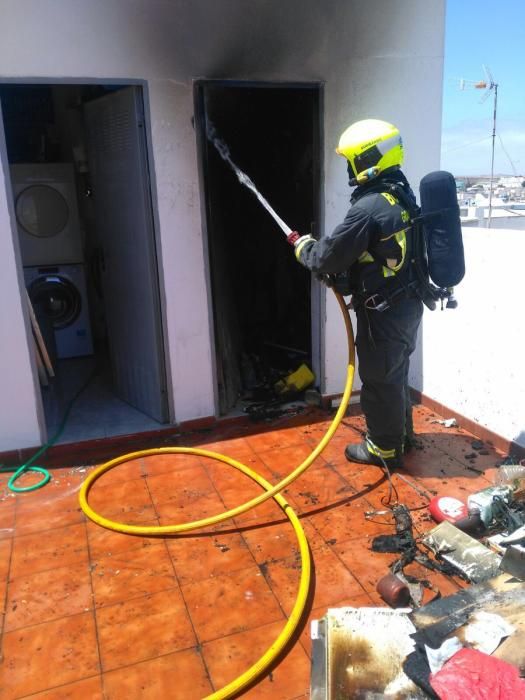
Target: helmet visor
367	159
372	156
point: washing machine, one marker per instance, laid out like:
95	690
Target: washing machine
46	211
59	293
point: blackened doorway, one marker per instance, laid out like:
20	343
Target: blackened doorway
261	298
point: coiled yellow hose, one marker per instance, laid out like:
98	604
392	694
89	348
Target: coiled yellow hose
249	676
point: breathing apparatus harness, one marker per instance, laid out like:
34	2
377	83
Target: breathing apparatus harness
417	264
435	247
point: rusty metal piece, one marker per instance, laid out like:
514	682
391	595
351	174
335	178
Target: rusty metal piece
393	591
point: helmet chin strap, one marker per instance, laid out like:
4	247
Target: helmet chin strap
363	177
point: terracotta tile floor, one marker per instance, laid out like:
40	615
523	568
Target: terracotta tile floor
88	613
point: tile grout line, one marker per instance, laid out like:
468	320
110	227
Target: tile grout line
236	527
52	568
246	544
54	619
83	612
94	610
458	459
39	531
285	520
331	548
144	595
198	646
311	595
8	576
6	598
170	653
326	544
46	622
56	687
64	617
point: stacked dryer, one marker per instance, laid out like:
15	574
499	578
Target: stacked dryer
52	251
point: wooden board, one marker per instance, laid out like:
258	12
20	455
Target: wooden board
39	341
42	374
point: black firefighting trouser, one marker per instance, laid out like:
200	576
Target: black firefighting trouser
385	340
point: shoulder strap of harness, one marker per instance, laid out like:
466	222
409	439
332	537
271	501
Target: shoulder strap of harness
428	293
398	193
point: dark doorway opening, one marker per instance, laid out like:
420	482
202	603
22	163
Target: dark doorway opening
261	297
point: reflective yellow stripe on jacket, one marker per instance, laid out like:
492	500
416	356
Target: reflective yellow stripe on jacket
393	267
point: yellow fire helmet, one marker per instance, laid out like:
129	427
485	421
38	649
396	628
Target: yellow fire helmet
371	146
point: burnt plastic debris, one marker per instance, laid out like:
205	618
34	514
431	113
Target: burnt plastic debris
403	540
417	669
392	544
269	410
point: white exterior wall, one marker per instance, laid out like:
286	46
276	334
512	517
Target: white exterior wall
471	358
376	59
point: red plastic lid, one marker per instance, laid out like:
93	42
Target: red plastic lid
447	508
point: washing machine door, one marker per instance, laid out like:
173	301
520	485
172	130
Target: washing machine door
58	299
41	211
46	209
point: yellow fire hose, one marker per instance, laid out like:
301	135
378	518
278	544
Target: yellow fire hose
258	668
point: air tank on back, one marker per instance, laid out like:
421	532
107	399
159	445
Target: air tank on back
442	228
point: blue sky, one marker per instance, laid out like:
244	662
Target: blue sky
493	34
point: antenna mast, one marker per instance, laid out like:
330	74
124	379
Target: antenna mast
487	85
491	86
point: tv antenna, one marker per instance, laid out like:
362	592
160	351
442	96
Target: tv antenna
489	85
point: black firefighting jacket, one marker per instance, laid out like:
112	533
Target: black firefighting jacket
373	242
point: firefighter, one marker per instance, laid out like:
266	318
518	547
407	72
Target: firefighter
369	254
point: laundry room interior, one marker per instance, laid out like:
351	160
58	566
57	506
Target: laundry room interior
80	182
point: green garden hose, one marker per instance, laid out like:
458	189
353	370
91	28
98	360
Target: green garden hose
29	466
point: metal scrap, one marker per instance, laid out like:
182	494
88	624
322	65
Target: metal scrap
463	552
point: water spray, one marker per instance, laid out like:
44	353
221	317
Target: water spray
224	153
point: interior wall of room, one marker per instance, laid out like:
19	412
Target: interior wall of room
375	59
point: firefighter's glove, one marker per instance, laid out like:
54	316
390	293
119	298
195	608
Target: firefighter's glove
299	243
327	280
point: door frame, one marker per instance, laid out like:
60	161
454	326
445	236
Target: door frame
317	290
124	82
